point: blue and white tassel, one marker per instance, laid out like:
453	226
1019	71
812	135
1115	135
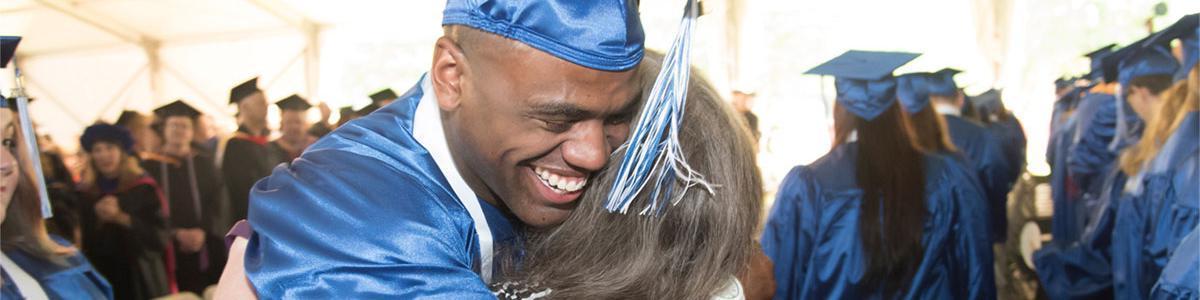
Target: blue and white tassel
653	152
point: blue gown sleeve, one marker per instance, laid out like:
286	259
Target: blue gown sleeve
1181	276
790	234
973	247
1082	270
359	222
1089	150
1128	249
994	174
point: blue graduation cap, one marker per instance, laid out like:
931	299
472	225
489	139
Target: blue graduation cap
942	83
8	49
602	35
864	81
1146	61
912	90
1097	57
1187	30
988	102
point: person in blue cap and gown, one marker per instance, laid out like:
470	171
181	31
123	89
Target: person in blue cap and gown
523	102
1085	269
1068	220
1005	126
35	264
981	148
1161	205
877	217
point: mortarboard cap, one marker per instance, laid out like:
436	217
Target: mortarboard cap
1187	30
293	102
942	83
177	108
366	110
988	102
912	90
384	95
242	90
1097	57
106	133
603	35
1146	61
8	49
864	81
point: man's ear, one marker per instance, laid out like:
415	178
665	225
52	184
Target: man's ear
447	73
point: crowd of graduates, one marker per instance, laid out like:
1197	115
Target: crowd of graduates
1125	155
910	201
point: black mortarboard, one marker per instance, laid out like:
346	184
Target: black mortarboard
293	102
383	95
177	108
366	110
242	90
8	49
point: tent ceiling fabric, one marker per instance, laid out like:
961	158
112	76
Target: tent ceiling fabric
138	54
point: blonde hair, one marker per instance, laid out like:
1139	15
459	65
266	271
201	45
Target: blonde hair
1177	102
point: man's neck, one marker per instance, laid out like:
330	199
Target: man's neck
180	150
255	128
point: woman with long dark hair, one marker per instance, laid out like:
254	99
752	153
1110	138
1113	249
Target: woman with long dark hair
123	217
877	217
35	264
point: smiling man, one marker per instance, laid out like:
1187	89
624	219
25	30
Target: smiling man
523	102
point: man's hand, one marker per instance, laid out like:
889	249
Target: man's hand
191	240
758	279
108	209
325	112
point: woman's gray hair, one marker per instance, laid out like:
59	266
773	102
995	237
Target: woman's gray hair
691	251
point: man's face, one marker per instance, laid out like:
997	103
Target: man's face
530	129
177	130
293	124
253	108
1142	101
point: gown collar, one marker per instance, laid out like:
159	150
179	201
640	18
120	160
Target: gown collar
490	224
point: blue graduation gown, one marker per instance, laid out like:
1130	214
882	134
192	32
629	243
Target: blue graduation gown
365	212
1012	143
1091	153
74	280
1155	216
1082	270
982	149
1062	190
1181	276
813	239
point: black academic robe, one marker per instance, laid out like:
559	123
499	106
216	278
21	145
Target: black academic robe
196	201
134	259
245	161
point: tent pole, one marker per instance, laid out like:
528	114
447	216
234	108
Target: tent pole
312	58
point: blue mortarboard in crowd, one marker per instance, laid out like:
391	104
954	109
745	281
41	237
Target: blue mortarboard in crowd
8	49
595	34
1187	30
864	81
1097	59
1146	61
942	83
912	90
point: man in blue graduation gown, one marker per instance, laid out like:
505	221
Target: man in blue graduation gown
523	102
981	148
